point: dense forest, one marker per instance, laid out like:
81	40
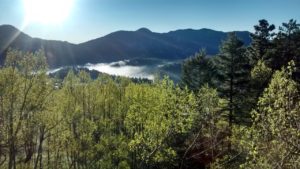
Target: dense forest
238	109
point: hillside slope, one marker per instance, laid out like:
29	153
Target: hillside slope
118	45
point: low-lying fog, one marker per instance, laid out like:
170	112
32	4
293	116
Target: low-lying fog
136	69
122	69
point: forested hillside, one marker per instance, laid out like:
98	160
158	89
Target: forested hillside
238	109
117	46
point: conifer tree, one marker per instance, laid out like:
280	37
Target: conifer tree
261	41
287	47
233	76
197	71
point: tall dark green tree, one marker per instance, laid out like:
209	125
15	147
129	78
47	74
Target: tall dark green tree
233	76
261	41
287	46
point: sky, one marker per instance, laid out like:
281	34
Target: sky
90	19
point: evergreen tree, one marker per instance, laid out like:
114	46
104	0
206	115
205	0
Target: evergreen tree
233	76
197	71
287	47
261	41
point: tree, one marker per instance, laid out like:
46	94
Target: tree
287	47
261	41
197	71
233	76
155	116
207	139
260	78
275	134
23	95
94	114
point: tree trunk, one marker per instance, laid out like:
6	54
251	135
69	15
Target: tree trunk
230	118
39	157
12	156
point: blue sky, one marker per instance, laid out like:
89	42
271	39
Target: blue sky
90	19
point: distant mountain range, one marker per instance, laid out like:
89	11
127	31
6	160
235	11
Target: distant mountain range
120	45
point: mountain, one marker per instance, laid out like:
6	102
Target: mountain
58	53
119	45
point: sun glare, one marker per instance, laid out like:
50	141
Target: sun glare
47	11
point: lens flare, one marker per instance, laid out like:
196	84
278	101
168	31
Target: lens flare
47	11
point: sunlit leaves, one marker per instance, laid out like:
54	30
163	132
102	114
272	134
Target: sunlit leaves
157	112
275	132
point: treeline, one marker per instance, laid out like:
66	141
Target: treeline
85	123
260	86
239	109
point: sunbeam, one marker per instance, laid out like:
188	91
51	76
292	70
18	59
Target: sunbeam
47	11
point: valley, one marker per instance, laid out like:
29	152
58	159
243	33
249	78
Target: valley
138	54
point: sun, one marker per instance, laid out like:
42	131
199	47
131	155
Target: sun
47	11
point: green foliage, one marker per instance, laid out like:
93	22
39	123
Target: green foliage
82	122
233	76
286	45
208	138
156	113
197	71
261	73
246	80
85	123
25	91
261	41
275	131
260	78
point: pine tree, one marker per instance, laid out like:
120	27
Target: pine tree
233	76
287	47
197	71
261	41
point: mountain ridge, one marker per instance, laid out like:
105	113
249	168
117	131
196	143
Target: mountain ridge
119	45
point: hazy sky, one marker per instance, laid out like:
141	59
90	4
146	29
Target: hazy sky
90	19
